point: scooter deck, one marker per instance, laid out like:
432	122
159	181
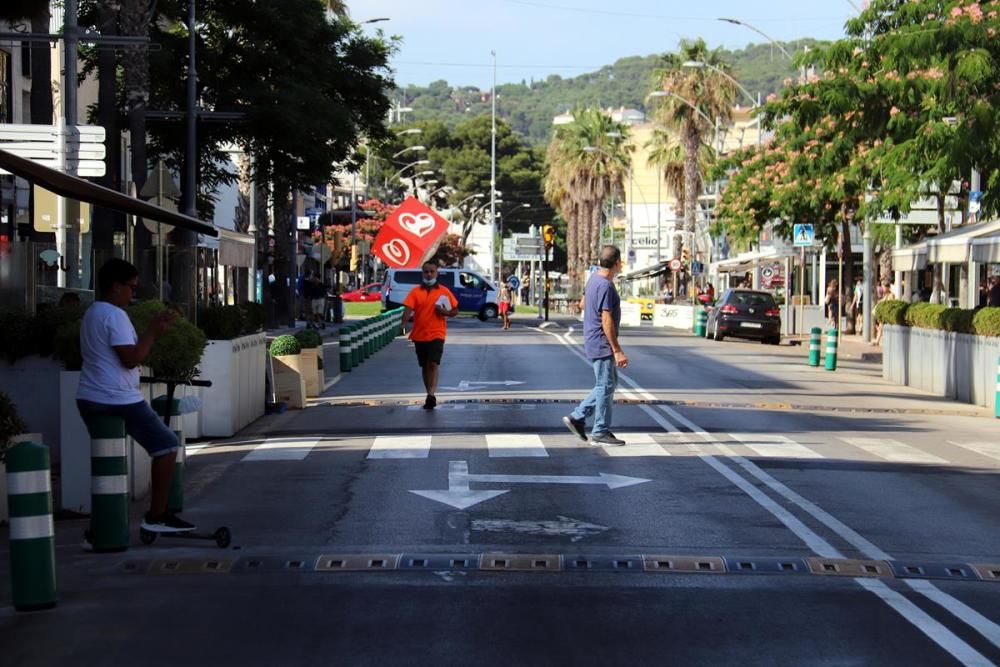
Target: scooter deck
221	536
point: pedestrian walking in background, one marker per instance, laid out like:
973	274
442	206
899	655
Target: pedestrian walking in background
994	298
431	305
315	294
858	303
602	314
504	305
832	303
109	381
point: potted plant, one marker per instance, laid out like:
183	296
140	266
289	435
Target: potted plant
234	362
289	383
12	429
312	344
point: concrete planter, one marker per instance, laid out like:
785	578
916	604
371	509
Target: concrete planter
236	398
289	380
962	367
24	437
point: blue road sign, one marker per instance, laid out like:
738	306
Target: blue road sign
514	283
804	236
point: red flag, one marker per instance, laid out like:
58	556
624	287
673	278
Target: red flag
410	235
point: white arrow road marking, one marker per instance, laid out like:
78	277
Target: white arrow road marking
459	495
563	527
469	385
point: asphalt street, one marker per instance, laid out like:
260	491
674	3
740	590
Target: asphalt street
763	512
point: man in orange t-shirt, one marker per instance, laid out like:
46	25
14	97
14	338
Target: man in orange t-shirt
431	305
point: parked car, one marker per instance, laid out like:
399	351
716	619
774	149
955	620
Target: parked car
743	313
475	294
371	292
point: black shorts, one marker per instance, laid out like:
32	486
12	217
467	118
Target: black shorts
429	350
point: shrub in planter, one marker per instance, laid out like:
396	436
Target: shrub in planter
177	352
957	320
986	322
254	315
10	424
285	345
221	322
892	311
44	327
925	315
309	338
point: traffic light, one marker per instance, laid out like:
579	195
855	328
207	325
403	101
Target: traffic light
685	255
549	234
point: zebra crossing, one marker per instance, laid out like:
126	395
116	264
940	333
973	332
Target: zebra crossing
811	447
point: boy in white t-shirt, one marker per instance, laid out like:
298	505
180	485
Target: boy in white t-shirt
109	381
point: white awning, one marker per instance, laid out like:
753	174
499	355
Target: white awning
955	247
910	258
236	249
745	260
986	249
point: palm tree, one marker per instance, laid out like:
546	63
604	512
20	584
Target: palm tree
586	163
700	101
667	153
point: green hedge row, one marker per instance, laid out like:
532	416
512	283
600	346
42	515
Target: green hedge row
981	322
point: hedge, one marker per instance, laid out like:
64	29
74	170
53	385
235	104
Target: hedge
980	322
285	345
891	312
986	322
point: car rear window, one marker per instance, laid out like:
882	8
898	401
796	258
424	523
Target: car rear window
753	299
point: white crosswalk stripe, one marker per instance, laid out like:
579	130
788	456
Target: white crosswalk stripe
638	444
400	447
893	451
281	450
988	449
775	446
515	445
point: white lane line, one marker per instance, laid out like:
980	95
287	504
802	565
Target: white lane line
933	629
400	447
637	444
988	449
515	445
775	446
334	381
281	450
893	450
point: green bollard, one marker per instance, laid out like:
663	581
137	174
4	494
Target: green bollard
815	336
831	350
32	533
355	344
175	501
700	323
368	339
108	485
345	348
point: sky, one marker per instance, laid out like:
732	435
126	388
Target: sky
452	39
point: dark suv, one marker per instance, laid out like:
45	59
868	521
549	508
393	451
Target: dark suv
744	313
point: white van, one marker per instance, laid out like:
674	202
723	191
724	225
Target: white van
475	294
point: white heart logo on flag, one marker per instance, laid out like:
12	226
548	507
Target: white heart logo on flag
418	225
397	251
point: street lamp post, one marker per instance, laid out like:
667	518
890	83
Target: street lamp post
759	32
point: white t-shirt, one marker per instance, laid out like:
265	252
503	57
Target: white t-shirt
104	379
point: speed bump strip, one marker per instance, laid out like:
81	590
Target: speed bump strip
583	563
924	570
700	564
183	566
768	565
521	562
356	562
436	562
988	572
847	567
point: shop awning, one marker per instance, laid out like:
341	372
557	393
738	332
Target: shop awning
910	258
73	187
986	249
648	272
236	249
745	260
955	247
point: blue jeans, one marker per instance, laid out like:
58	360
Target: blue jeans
141	423
601	399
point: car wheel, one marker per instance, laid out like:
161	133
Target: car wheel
489	312
718	335
776	340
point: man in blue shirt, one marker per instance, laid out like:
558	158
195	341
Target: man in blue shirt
602	315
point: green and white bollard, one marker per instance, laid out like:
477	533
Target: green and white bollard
32	533
831	350
355	345
701	323
108	485
345	348
175	500
815	336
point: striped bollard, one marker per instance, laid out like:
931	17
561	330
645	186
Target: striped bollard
385	329
370	349
175	501
831	350
345	348
32	533
366	339
700	322
355	344
815	337
108	485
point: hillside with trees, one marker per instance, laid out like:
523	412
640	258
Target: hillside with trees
529	106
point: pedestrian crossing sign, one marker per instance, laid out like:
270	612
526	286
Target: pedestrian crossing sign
804	236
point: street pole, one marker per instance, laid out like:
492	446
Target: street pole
68	214
493	147
866	301
545	286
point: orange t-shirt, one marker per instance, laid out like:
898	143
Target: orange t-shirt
427	324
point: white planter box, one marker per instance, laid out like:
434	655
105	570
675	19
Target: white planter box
74	468
4	508
236	397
